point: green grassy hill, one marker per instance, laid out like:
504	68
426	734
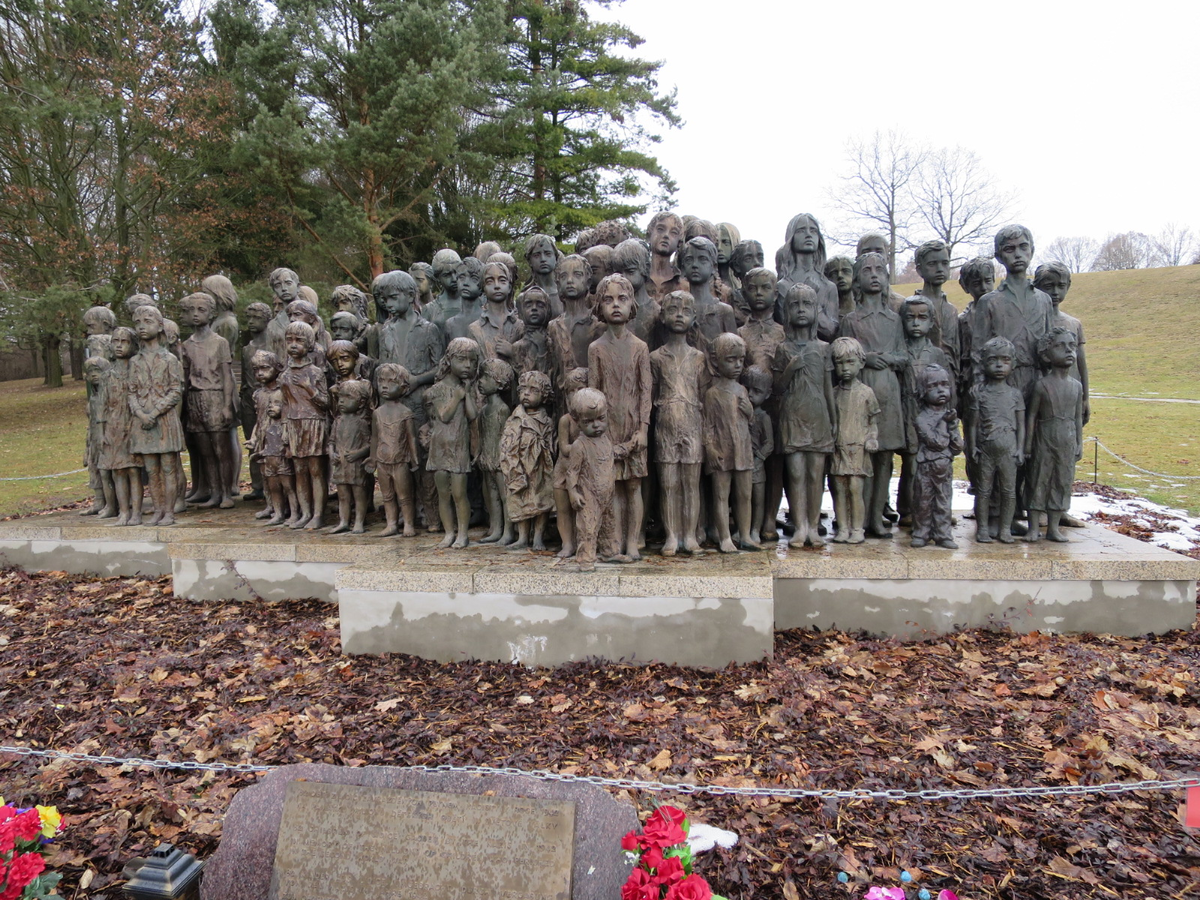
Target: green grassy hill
1141	327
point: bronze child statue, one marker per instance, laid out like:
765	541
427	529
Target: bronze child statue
938	442
450	406
1053	435
115	453
803	382
568	431
619	367
306	426
590	475
759	385
997	429
495	377
208	374
527	461
100	480
679	373
877	328
728	449
394	458
857	438
349	446
268	443
498	326
155	393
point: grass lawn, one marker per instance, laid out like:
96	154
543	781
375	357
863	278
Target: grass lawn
44	431
1141	328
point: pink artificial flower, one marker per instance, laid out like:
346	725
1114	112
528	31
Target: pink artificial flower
947	895
880	893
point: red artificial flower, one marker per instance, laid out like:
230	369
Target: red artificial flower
24	868
12	892
662	830
652	858
8	835
639	886
670	872
676	815
631	842
693	887
28	825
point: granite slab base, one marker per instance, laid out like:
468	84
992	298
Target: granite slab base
241	867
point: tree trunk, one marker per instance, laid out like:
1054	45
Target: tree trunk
77	348
54	371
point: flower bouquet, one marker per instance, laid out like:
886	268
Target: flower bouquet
663	861
23	835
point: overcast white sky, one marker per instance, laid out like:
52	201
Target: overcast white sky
1089	111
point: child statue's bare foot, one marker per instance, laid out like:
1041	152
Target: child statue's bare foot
506	538
275	520
122	521
168	518
314	523
180	505
446	542
691	545
358	529
409	531
108	512
460	542
984	536
841	537
727	546
264	514
815	538
519	544
391	529
1005	537
671	547
857	536
538	545
750	547
339	528
948	544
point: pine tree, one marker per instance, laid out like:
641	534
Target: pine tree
571	126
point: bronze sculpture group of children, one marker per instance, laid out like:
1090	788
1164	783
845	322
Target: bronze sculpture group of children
619	376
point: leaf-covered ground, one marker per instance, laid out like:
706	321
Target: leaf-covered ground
120	667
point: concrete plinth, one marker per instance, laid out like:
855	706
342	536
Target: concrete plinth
541	617
403	595
1100	581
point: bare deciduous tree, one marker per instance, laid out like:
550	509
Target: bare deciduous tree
877	189
1174	245
957	198
1127	250
1077	253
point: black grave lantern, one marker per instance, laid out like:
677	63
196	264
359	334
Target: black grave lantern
166	874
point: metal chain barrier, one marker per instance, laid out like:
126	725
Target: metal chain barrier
1124	461
40	477
1117	787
